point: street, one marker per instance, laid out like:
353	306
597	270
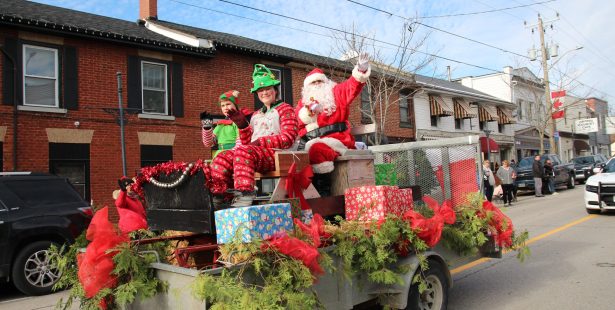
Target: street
571	266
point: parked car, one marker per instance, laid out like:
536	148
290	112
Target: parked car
564	172
36	211
600	189
584	165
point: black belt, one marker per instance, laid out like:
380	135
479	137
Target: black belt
319	132
326	130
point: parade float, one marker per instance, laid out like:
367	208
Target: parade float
399	219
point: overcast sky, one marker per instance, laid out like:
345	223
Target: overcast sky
586	23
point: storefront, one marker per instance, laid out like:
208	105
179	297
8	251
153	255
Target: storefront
527	143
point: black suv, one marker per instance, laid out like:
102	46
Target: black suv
564	173
584	165
36	211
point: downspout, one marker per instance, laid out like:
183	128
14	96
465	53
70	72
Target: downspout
14	106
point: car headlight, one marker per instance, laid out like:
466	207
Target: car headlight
591	188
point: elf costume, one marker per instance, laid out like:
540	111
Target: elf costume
225	134
268	130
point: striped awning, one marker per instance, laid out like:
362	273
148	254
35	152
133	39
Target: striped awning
438	107
487	113
505	117
462	109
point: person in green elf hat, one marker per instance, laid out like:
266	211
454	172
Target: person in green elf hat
270	128
225	134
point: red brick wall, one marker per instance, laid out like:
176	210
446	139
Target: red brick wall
204	80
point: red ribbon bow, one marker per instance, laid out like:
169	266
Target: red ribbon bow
297	182
430	229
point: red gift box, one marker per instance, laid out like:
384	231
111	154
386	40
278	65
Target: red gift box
368	203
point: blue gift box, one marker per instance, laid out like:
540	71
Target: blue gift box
262	221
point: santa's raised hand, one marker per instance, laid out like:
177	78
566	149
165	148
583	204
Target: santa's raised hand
363	62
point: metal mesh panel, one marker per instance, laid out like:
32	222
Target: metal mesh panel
443	169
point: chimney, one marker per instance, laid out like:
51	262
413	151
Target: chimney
148	9
448	70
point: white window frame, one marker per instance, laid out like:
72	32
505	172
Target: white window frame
166	88
56	71
278	76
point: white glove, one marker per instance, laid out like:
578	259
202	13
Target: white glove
207	124
363	62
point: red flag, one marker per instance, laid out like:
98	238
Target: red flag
557	94
557	104
558	114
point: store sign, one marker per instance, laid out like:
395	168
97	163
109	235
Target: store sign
586	125
610	125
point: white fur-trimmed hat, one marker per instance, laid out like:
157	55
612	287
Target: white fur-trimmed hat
314	75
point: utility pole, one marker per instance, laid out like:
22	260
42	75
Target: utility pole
545	69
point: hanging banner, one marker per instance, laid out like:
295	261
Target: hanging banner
558	93
586	125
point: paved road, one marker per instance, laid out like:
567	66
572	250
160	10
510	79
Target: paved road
572	265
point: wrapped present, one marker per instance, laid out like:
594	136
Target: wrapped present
295	209
262	221
375	202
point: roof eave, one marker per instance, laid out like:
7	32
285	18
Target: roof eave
55	28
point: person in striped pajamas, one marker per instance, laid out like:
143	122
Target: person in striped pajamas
270	128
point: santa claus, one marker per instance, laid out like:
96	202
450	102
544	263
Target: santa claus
323	113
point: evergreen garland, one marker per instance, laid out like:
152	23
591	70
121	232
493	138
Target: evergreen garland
132	267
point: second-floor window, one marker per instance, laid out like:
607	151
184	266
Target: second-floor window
458	123
500	128
406	110
154	87
520	109
40	76
366	106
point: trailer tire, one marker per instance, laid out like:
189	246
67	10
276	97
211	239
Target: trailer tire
435	297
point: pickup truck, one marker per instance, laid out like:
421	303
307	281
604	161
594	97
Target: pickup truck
564	172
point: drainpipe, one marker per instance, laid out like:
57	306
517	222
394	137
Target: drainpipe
14	105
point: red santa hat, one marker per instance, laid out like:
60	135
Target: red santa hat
314	75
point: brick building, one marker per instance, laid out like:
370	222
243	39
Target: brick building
59	95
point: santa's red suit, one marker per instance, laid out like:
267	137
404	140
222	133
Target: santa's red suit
329	129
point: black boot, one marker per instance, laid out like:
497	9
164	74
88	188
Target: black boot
322	183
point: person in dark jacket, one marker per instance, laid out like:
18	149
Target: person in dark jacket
538	173
549	177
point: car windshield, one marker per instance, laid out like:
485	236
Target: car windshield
583	160
610	166
527	162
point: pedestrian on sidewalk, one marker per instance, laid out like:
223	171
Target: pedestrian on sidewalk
507	177
538	173
488	180
549	177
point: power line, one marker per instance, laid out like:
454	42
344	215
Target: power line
458	14
350	33
441	30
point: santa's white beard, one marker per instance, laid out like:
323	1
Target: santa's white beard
323	93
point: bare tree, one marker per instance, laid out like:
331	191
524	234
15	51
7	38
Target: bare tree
393	68
539	115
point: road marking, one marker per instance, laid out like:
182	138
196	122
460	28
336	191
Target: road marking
539	237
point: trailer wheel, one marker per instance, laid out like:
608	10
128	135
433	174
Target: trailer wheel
435	297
